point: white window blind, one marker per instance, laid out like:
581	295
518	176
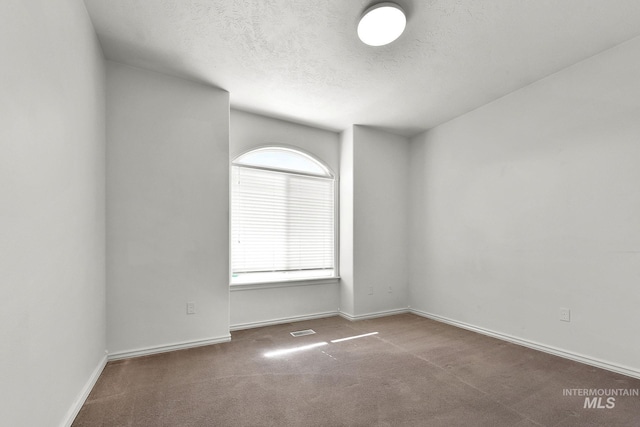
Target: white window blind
282	225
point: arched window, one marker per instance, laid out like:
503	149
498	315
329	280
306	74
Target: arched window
282	217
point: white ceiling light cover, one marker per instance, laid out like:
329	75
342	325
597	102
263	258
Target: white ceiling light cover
381	24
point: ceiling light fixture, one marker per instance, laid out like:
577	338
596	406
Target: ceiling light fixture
381	24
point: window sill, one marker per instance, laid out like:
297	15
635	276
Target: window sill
283	284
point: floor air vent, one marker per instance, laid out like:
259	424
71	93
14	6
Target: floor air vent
302	333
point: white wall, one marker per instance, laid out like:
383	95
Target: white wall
249	131
531	203
167	211
347	283
272	304
52	223
380	221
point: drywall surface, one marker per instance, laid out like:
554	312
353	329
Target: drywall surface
531	204
380	221
167	210
347	283
52	221
303	59
263	305
249	131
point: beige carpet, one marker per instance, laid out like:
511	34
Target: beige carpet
413	372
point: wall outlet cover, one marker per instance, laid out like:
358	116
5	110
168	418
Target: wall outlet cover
191	308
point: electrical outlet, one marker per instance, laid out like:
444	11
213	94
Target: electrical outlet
191	308
390	289
370	290
565	315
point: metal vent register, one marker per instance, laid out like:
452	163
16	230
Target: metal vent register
302	333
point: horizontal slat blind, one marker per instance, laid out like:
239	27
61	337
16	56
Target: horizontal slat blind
281	221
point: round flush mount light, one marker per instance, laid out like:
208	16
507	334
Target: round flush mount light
381	24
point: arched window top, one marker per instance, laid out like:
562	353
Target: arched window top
282	158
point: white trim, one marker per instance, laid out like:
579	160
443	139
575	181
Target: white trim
77	405
373	315
624	370
284	284
251	325
127	354
289	147
283	171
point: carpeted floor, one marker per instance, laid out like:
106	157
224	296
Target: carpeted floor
413	372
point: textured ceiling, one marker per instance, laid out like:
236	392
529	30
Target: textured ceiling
301	60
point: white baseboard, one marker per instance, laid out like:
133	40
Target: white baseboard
127	354
279	321
534	345
77	405
373	315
